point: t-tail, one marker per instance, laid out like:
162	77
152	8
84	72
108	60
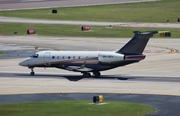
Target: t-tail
137	44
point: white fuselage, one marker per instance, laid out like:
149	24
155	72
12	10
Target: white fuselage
92	61
63	57
80	61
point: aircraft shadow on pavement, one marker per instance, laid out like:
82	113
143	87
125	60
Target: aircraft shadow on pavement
72	77
79	77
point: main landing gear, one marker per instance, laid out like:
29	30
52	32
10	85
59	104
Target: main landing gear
32	71
87	74
97	74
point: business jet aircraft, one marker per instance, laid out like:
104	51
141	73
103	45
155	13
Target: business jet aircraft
91	61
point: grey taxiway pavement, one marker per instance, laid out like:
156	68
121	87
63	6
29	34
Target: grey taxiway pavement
122	24
157	74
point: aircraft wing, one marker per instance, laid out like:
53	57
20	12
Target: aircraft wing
81	68
78	68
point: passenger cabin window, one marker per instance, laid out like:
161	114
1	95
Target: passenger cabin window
35	56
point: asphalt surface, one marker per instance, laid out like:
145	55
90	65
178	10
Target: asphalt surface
21	81
79	77
164	105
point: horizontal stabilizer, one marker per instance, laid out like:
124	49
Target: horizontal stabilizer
134	57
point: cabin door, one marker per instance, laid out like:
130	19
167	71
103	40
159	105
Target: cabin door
47	59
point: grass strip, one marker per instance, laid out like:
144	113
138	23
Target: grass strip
158	11
1	52
75	31
75	108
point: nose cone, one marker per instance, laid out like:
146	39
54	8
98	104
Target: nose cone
24	63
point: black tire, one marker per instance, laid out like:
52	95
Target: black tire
32	73
97	74
86	74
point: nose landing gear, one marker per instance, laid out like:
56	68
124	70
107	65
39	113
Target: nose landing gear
32	73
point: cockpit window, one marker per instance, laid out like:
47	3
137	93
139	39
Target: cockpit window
35	56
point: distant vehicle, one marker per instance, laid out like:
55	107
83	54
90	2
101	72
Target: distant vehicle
91	61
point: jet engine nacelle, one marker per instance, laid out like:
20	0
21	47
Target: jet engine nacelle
110	57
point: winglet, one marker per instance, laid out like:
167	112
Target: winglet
138	43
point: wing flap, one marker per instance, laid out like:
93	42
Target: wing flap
79	68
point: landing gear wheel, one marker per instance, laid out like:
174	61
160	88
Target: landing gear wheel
97	74
32	73
86	74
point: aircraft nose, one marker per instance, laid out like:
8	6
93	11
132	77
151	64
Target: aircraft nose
24	63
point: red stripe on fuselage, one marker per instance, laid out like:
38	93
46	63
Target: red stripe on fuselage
76	61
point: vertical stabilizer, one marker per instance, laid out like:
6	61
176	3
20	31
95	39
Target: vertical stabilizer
138	43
